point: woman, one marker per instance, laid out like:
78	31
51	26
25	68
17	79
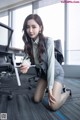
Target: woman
40	50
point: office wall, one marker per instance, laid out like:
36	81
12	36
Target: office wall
72	71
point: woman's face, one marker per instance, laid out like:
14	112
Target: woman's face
33	28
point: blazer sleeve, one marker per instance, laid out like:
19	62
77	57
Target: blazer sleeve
51	63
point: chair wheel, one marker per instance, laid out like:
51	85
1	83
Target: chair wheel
10	97
29	88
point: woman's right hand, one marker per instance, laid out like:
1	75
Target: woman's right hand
25	66
51	98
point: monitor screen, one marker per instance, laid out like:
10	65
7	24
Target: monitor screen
5	37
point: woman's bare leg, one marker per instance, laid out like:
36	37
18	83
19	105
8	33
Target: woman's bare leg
59	96
57	93
39	91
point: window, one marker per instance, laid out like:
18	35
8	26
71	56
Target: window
53	21
4	19
19	16
73	50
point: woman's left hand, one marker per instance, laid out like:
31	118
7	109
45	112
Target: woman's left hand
51	97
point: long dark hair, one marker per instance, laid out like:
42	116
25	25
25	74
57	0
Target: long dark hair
27	39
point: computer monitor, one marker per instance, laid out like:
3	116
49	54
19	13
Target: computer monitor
5	37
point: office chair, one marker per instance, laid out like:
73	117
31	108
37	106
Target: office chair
58	51
7	58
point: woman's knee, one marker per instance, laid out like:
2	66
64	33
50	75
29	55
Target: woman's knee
36	99
54	106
